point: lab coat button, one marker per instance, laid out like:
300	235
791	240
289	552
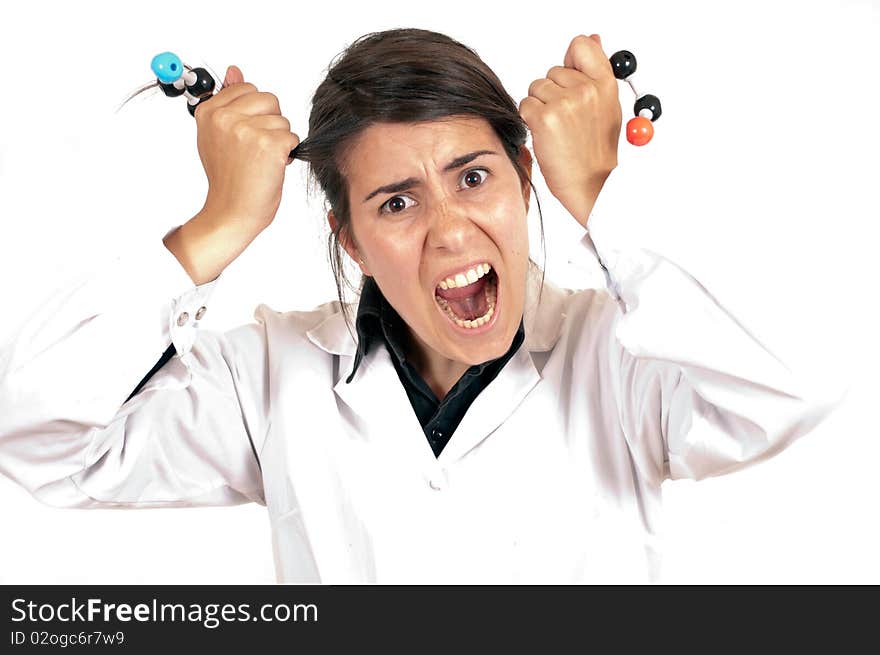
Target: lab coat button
437	481
201	312
182	319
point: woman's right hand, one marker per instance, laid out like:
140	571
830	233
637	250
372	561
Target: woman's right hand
244	143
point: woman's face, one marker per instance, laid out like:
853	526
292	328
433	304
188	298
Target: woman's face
428	214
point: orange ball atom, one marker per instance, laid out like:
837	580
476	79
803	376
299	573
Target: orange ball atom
639	131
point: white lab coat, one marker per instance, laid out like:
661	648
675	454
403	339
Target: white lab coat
553	475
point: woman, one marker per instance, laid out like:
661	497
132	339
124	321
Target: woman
478	424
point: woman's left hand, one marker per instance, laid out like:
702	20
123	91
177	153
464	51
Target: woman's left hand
574	116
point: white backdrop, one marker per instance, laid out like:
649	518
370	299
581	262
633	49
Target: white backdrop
760	181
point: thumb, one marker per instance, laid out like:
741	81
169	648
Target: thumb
233	76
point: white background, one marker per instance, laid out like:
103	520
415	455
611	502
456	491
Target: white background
760	181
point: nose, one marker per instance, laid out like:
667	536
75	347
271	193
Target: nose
451	223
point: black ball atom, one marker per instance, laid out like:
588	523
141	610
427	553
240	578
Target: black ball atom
203	85
651	102
170	90
623	63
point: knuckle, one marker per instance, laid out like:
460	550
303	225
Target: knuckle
217	118
265	141
554	119
271	101
548	119
241	131
569	105
586	92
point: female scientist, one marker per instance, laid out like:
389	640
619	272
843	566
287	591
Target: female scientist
478	424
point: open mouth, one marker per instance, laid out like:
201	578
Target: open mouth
470	302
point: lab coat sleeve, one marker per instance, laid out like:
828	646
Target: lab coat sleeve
187	438
697	394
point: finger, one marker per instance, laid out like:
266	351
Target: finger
286	141
279	142
586	55
233	76
291	144
530	108
270	122
256	103
545	90
229	94
568	77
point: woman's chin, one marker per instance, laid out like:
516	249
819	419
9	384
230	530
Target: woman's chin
491	341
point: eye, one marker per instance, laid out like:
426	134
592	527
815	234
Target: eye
472	179
394	205
474	174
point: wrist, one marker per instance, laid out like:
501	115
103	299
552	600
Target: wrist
206	244
580	205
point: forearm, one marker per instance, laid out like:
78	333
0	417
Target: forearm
206	245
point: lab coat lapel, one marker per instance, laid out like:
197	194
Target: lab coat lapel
494	405
499	400
375	393
379	399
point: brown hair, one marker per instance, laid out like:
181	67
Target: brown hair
399	75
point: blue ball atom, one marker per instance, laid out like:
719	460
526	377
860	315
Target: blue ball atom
167	67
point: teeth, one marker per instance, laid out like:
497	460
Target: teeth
466	278
491	293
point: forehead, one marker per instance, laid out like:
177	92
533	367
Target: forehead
384	150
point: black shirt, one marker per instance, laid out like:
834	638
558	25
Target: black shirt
378	322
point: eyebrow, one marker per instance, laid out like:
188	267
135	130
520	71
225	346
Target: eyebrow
410	182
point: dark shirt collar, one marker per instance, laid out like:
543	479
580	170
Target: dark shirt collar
377	321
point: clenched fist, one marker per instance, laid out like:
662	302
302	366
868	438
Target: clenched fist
244	143
574	116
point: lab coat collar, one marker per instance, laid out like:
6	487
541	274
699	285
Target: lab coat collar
376	395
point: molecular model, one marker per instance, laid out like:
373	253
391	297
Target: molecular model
175	79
